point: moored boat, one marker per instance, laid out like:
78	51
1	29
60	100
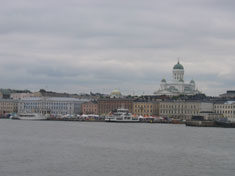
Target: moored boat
30	116
197	123
122	115
225	123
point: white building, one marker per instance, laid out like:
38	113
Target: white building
183	109
52	105
227	109
177	86
18	96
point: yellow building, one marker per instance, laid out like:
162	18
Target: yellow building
8	106
146	108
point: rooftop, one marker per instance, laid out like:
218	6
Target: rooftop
52	99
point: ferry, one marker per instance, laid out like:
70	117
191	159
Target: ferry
225	122
122	115
30	116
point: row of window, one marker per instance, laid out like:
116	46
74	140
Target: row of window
49	103
225	111
52	112
178	112
178	106
225	106
113	107
87	106
7	104
46	107
143	111
143	106
89	109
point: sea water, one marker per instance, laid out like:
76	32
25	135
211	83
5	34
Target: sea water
52	148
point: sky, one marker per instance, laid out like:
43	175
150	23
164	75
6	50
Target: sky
82	46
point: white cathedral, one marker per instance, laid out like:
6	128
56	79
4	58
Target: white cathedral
177	87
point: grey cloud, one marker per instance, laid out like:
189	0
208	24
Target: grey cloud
93	44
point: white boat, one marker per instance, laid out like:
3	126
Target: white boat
30	116
122	115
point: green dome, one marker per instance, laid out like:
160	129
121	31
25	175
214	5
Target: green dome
178	66
163	80
192	82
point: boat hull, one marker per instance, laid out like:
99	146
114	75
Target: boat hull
225	124
200	123
123	121
22	118
31	117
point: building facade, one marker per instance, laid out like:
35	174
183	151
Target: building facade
18	96
177	86
228	94
51	105
8	106
107	105
211	116
183	109
90	108
227	109
146	108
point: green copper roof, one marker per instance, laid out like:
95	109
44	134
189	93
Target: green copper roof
178	66
192	82
163	80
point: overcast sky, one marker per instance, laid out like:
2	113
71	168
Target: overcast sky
100	45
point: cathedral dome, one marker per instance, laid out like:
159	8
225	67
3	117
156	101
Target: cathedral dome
178	66
163	80
192	82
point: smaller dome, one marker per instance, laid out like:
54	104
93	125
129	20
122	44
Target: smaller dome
163	80
192	82
178	66
116	92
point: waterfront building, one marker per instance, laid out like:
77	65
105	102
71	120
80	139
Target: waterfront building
107	105
45	93
177	86
6	93
18	96
145	108
210	115
52	105
228	94
8	106
90	108
227	109
183	109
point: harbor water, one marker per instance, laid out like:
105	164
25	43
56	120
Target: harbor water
52	148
